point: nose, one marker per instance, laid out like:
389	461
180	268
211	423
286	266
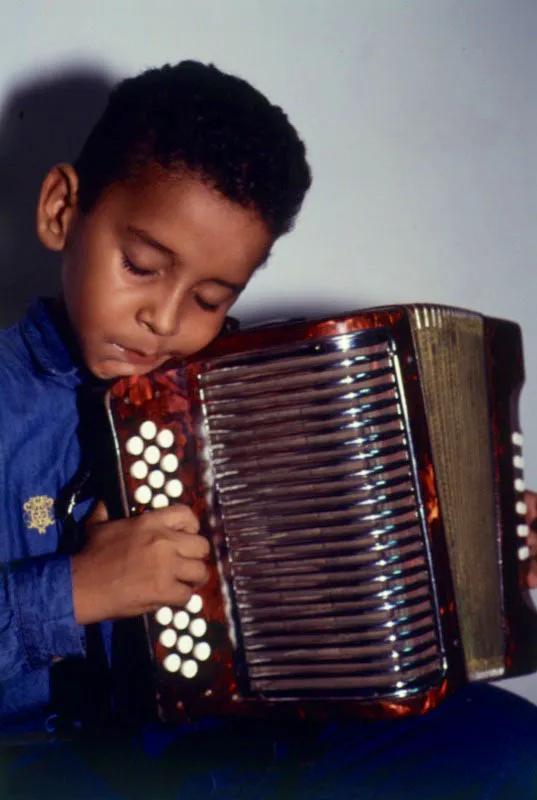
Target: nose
160	313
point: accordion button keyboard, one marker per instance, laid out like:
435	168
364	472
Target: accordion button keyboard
156	479
174	488
185	644
148	430
164	616
143	495
152	454
189	669
160	501
181	620
202	651
198	627
139	470
168	638
195	604
165	438
172	662
135	446
169	463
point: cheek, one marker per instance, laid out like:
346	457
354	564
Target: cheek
199	332
104	303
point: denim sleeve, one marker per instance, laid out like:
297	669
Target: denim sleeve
37	621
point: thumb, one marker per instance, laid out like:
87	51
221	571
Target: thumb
531	505
99	514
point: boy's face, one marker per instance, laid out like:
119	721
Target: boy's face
150	273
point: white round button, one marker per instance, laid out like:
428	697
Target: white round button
164	615
195	604
198	627
148	429
165	438
134	446
523	552
185	644
189	668
517	439
174	488
520	486
522	531
172	662
143	495
156	478
160	501
181	620
518	462
152	454
521	508
139	470
169	463
168	638
202	651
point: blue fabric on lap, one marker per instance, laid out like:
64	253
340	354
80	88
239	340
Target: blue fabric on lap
479	745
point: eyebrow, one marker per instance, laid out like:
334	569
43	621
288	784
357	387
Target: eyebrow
146	237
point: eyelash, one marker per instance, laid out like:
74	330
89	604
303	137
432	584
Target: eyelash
205	305
130	267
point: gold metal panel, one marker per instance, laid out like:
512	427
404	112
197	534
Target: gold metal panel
451	354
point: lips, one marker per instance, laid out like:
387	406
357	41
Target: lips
137	357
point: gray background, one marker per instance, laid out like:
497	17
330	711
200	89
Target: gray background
421	121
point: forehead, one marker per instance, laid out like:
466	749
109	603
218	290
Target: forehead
188	217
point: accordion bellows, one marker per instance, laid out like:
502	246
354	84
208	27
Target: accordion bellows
360	479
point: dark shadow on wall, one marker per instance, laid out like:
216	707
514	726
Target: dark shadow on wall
43	121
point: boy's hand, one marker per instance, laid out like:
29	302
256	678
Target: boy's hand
531	517
133	566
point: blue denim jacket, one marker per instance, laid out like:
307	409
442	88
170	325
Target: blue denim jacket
39	455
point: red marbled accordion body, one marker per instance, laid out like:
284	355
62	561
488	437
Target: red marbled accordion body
308	452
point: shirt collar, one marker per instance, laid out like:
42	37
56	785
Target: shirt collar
50	340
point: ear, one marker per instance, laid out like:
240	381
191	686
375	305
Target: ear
57	206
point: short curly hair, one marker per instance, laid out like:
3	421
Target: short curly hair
194	117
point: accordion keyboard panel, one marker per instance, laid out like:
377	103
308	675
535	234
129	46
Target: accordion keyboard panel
312	482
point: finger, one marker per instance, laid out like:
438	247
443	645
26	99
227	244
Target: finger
99	514
531	504
177	518
188	546
192	572
176	596
531	580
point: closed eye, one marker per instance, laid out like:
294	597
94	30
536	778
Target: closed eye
205	305
130	267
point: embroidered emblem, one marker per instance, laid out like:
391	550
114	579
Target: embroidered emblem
39	513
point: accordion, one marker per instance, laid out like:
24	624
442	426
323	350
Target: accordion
360	480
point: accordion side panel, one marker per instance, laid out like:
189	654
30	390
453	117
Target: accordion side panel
451	353
507	378
160	465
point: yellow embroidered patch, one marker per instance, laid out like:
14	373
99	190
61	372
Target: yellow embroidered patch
39	513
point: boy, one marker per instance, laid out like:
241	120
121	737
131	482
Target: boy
175	200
